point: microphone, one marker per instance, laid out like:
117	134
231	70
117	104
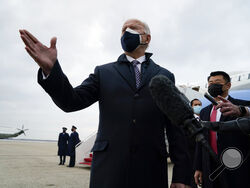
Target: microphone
211	99
170	100
240	124
176	106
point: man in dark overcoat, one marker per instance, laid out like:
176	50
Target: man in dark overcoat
73	141
63	145
219	84
130	149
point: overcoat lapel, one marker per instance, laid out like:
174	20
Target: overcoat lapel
207	113
125	72
149	70
206	117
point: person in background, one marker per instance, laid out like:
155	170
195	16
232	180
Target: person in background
73	141
197	106
63	145
219	84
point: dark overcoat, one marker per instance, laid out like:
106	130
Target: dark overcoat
239	177
73	141
130	149
63	144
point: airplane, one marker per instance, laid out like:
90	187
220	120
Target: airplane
240	89
6	136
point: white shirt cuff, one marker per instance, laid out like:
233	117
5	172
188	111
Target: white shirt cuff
44	76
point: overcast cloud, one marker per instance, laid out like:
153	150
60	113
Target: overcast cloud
191	38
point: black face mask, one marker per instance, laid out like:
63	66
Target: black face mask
72	129
130	41
215	89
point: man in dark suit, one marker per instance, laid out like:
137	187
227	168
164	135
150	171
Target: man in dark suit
218	86
130	149
196	105
63	145
73	141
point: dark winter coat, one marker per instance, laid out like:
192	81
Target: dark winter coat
130	149
63	143
73	141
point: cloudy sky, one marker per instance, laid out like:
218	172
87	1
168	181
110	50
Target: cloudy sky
191	38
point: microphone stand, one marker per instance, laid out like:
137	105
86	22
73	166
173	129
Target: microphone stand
194	129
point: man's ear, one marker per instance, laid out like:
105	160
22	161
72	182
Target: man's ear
148	39
228	85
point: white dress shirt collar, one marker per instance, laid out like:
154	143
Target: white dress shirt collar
140	59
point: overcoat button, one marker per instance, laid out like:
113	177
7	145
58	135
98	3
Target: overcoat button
136	96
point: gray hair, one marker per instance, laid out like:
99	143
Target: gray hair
146	28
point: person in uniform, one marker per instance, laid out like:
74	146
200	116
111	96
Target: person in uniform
63	145
73	141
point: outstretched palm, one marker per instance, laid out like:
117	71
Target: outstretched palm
44	56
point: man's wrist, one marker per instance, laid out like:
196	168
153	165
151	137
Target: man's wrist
243	111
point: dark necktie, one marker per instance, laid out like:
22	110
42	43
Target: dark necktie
137	73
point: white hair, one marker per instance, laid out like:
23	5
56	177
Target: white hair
146	28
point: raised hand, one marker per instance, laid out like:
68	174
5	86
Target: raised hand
44	56
227	108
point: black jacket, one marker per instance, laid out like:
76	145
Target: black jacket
130	149
230	178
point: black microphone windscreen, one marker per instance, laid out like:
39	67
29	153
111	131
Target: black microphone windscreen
170	100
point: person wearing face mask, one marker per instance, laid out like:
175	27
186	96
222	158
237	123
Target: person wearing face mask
197	106
63	145
130	149
219	84
73	141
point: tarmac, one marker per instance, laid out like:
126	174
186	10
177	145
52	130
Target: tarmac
25	164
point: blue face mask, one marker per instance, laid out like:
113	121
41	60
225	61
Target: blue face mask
197	109
130	40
